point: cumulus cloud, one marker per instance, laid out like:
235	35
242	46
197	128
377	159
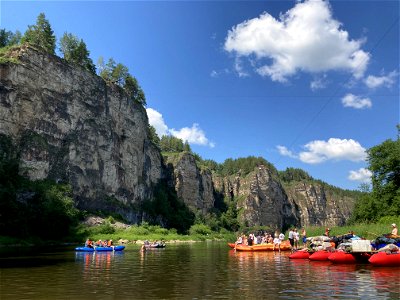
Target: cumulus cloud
318	83
356	102
334	149
285	151
193	135
306	38
157	121
385	80
361	175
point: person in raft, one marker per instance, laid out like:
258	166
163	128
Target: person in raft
394	230
88	243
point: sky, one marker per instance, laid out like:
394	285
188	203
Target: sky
304	84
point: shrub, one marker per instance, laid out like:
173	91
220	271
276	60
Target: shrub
200	229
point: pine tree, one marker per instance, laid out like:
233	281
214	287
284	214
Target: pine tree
41	35
74	50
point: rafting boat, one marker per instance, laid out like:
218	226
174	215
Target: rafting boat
301	254
155	246
285	246
341	257
320	255
89	249
385	259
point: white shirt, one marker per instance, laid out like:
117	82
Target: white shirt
281	236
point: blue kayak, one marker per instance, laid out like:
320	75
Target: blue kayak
89	249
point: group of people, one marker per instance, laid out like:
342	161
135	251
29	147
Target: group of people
275	238
92	244
294	237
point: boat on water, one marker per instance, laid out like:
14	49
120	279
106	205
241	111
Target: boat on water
155	246
341	257
301	254
285	246
99	249
320	255
384	259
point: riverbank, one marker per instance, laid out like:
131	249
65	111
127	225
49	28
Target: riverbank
97	228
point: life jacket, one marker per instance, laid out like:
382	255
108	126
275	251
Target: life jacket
109	243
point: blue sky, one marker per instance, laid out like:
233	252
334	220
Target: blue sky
308	84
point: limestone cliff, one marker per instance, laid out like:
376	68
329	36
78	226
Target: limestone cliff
317	205
193	185
261	198
68	125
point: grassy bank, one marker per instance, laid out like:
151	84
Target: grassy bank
198	232
152	233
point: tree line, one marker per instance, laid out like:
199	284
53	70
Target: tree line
74	50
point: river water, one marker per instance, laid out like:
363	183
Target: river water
207	270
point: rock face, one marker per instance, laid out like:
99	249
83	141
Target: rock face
192	185
68	125
316	206
261	199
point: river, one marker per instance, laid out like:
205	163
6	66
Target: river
206	270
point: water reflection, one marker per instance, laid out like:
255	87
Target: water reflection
196	271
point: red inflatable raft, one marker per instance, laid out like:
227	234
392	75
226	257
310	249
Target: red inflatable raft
320	255
342	258
300	255
385	259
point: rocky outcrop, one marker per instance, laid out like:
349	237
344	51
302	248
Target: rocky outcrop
318	206
68	125
261	199
193	185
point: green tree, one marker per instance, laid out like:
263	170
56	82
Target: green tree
118	74
384	199
134	91
154	136
384	163
293	174
8	38
41	35
75	50
169	143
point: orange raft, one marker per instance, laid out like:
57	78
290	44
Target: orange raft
285	246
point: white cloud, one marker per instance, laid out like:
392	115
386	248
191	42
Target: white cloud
385	80
333	149
157	121
285	152
305	38
193	135
357	102
239	68
318	83
362	175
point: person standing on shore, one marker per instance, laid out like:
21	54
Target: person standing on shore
304	236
